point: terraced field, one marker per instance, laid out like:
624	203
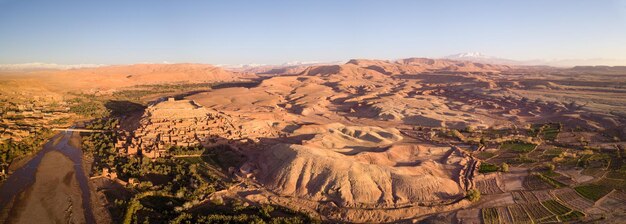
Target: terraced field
488	186
593	191
519	214
505	215
537	211
556	207
534	182
524	197
572	199
490	216
551	181
573	215
542	195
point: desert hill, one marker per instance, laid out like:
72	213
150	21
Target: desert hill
285	69
363	141
424	92
120	76
357	166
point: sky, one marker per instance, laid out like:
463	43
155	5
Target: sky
274	32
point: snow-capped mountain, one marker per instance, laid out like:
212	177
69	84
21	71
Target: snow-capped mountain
469	55
481	58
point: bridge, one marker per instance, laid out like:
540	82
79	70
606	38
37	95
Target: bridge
79	130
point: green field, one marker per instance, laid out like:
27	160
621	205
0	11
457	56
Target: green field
617	174
551	181
593	191
547	131
556	207
223	156
490	215
551	174
534	182
594	161
521	158
192	160
518	147
572	216
488	168
485	155
613	183
534	130
553	152
550	131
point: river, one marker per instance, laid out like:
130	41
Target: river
24	177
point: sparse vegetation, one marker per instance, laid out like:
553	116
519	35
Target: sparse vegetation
520	159
485	155
550	131
457	134
88	107
223	156
11	150
236	212
159	170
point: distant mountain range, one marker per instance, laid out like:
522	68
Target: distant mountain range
482	58
44	66
299	66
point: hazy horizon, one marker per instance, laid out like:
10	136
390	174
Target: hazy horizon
228	33
255	112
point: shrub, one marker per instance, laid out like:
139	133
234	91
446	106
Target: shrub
549	166
504	167
473	195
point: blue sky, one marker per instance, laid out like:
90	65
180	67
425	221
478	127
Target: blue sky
273	32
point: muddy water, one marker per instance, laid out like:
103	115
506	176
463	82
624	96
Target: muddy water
24	177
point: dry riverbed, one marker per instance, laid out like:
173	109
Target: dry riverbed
54	197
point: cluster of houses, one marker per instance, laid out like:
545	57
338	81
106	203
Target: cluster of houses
172	123
18	121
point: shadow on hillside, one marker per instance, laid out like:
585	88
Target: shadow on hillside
123	107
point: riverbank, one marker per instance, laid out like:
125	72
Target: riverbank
21	161
53	187
98	199
54	197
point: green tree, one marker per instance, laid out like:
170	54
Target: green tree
504	167
550	167
473	195
483	141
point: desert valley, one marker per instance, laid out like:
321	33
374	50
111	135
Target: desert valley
365	141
